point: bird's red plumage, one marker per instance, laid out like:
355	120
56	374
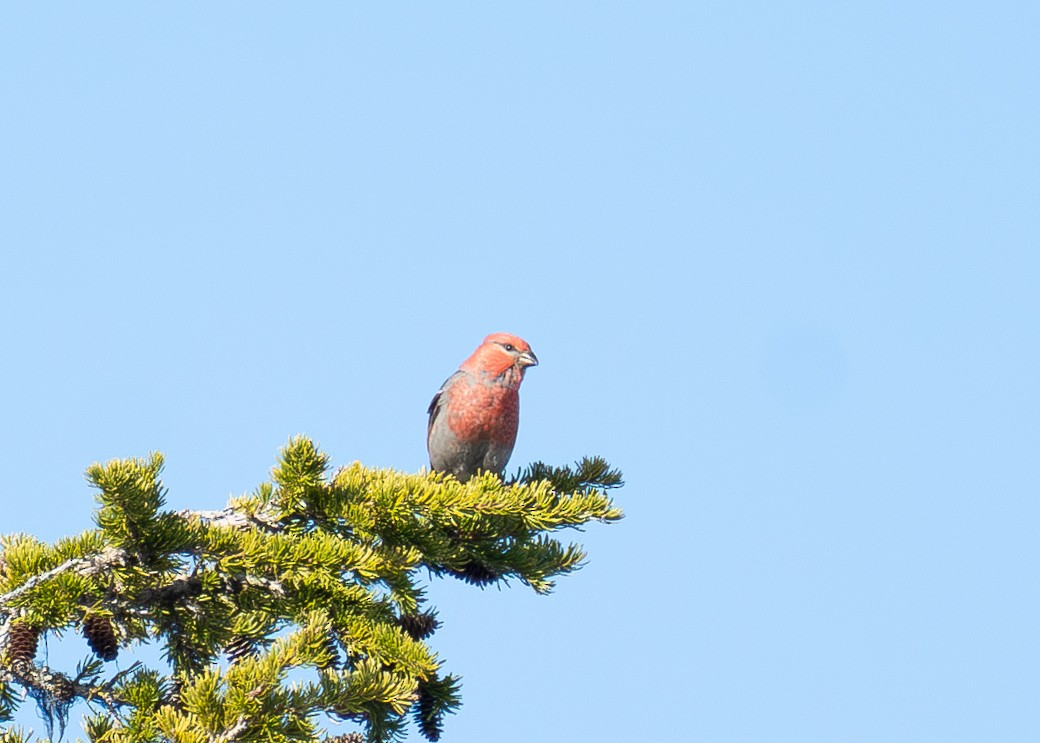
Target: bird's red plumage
493	360
475	416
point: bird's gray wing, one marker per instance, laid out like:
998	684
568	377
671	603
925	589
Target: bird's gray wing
435	403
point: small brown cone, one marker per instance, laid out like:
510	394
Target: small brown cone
427	717
101	637
63	689
22	641
241	647
173	692
477	574
419	626
332	646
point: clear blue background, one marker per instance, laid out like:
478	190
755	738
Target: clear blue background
780	262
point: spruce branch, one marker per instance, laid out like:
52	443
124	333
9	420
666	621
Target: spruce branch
233	732
311	586
588	472
86	566
55	692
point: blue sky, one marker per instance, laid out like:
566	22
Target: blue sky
780	263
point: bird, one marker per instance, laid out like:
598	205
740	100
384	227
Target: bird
475	415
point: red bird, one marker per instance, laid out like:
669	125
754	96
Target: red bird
475	414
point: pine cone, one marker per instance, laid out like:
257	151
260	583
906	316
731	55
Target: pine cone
347	738
427	716
101	637
419	626
332	647
477	574
22	641
173	692
241	647
62	689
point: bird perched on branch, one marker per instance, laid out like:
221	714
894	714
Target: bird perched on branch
475	414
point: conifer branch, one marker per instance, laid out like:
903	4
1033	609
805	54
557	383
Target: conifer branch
232	733
235	517
47	682
87	566
316	573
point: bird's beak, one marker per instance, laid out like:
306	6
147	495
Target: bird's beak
527	358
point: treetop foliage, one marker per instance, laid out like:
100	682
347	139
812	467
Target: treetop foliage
298	605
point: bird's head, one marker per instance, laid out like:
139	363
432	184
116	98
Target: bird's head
500	353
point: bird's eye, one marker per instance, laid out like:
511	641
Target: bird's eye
509	347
